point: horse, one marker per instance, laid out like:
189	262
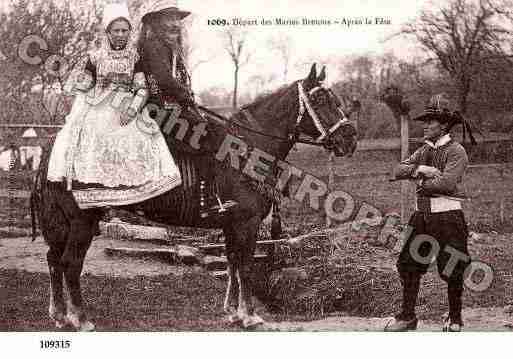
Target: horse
272	124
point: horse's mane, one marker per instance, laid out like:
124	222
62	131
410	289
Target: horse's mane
265	95
273	105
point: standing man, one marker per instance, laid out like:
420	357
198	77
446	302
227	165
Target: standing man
438	225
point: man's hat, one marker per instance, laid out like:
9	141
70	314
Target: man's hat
165	6
440	109
115	11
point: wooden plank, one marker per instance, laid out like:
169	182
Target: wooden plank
214	263
220	274
27	125
166	255
394	144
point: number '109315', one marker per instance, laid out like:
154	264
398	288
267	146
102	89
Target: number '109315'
55	344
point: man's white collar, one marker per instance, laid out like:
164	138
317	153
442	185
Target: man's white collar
440	142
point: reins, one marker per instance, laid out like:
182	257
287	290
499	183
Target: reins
249	129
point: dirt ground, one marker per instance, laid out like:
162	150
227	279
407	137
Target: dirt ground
23	254
146	295
476	319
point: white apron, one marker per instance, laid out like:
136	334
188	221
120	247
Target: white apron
93	147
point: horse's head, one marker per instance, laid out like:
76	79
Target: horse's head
321	116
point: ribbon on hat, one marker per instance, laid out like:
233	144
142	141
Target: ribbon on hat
458	118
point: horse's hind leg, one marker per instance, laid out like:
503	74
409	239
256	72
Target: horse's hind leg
57	307
81	231
55	232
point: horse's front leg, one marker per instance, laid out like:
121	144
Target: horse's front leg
247	239
232	288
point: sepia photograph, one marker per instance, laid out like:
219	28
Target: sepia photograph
255	167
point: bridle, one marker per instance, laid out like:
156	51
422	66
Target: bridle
305	105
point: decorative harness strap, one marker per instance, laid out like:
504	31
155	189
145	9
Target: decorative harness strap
304	102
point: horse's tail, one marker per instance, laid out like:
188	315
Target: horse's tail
35	200
37	193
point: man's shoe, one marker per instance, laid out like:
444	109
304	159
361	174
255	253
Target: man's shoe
399	324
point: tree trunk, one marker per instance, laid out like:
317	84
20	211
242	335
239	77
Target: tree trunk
462	101
235	86
463	91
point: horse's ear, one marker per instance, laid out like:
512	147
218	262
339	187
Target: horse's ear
312	77
322	75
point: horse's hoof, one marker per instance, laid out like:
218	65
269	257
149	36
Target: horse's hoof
60	324
79	325
59	319
86	326
252	322
233	319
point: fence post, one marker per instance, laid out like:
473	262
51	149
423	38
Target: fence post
404	155
331	180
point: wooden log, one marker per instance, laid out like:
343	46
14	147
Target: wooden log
118	229
176	255
121	230
344	229
218	248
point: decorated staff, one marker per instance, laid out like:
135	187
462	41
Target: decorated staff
438	225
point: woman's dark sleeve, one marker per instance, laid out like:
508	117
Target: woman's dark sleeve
91	68
138	67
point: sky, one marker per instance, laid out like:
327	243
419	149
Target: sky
309	42
321	43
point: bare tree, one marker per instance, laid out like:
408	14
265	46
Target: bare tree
191	47
282	44
461	34
64	34
235	44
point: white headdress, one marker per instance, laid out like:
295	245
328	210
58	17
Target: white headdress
113	12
